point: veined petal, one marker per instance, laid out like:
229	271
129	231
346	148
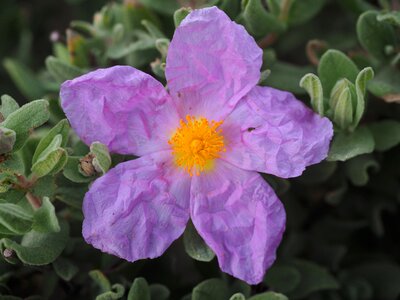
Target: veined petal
137	209
212	63
239	216
121	107
271	131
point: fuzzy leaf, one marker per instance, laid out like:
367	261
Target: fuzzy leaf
361	85
60	70
386	134
8	106
211	289
348	145
24	79
65	268
14	219
139	290
102	159
38	248
45	219
195	246
258	20
61	128
269	296
373	35
333	66
312	85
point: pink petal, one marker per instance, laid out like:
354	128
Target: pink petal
271	131
212	62
239	216
121	107
138	208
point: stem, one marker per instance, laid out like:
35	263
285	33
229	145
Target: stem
267	41
33	200
311	50
285	7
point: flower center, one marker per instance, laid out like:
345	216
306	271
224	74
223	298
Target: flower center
196	143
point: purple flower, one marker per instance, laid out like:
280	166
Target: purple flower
200	149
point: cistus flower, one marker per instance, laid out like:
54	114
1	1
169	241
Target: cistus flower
200	149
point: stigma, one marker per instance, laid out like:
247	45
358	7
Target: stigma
196	143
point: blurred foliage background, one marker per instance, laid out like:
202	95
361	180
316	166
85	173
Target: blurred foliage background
341	57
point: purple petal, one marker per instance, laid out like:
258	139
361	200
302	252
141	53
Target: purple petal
121	107
138	208
271	131
212	62
239	216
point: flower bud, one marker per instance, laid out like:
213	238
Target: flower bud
86	165
7	140
343	103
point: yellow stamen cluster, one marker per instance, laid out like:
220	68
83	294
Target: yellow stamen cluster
196	143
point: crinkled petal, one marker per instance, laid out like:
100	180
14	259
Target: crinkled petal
239	216
212	63
121	107
138	208
271	131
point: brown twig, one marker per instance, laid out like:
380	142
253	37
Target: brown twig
267	41
312	48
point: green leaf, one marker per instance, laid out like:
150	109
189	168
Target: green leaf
45	187
122	50
258	20
61	128
392	17
283	278
39	248
386	82
162	6
303	10
159	292
7	140
348	145
361	85
269	296
102	159
71	170
333	66
195	246
180	15
45	219
286	77
211	289
65	268
313	278
8	106
382	276
14	219
237	296
152	29
60	70
25	80
312	85
386	134
101	281
117	292
230	7
52	159
373	35
357	169
29	116
139	290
